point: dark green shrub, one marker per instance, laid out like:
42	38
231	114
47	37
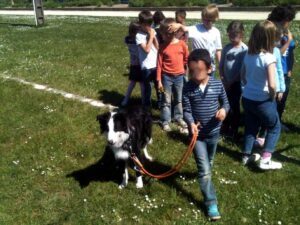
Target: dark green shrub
264	2
162	3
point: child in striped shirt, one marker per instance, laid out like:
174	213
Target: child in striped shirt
205	106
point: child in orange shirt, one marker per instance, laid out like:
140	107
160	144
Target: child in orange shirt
172	58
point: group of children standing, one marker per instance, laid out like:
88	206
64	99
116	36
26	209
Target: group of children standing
259	74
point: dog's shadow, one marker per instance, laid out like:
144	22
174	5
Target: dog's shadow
106	170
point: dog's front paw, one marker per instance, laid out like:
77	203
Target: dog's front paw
149	158
122	186
139	182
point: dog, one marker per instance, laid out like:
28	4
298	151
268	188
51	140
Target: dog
127	131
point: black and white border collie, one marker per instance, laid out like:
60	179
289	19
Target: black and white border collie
127	131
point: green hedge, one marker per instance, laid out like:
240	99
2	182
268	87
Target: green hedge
264	2
59	3
159	3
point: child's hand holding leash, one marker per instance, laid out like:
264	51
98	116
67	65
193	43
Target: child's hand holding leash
194	128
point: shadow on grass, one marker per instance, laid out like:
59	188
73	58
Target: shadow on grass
105	170
110	97
115	98
292	128
18	25
280	157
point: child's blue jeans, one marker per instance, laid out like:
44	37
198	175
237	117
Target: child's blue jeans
204	153
149	76
172	87
261	113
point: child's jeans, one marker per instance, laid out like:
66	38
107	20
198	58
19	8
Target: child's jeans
282	103
204	153
148	76
172	87
261	113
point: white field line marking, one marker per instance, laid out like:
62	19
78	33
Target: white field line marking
67	95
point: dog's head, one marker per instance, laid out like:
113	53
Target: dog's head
114	126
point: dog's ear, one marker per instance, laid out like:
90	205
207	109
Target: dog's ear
103	120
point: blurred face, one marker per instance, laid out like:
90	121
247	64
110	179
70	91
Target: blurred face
235	38
199	71
167	35
145	27
285	24
208	23
180	19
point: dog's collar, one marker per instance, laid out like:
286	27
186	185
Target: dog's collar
128	144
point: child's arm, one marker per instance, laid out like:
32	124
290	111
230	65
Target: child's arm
291	57
155	42
279	73
159	69
221	66
218	46
147	46
187	110
243	75
271	80
218	55
224	105
174	27
287	44
185	53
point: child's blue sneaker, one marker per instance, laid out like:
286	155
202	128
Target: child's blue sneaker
213	212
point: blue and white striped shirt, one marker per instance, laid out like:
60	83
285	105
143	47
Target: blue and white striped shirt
202	107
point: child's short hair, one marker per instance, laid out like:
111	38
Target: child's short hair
282	13
263	37
158	16
133	28
210	12
145	17
181	13
164	26
236	27
200	55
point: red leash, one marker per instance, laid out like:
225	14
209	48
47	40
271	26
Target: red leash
175	169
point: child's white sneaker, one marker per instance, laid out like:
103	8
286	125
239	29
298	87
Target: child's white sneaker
268	164
166	127
181	123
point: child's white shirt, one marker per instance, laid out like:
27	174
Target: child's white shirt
147	60
205	39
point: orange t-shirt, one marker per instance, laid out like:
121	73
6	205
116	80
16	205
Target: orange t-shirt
172	58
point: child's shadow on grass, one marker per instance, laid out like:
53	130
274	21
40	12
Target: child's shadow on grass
115	98
292	128
110	97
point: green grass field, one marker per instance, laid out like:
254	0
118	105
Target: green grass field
51	150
